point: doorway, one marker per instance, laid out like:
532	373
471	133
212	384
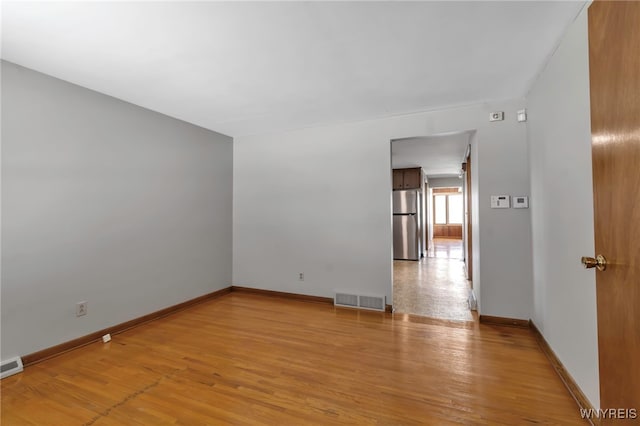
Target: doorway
435	285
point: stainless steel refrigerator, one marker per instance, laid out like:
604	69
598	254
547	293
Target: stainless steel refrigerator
407	224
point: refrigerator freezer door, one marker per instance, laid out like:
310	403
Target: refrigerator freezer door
405	201
405	237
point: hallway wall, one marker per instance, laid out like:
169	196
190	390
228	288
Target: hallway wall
562	208
445	182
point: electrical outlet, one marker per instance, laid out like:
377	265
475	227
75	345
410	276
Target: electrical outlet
301	276
81	309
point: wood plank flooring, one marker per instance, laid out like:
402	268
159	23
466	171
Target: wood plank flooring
250	359
446	248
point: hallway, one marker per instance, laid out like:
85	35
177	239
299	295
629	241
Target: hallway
435	286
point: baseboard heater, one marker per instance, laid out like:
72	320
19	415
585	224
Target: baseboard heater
361	301
10	367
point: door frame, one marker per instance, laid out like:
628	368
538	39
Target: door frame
468	227
472	200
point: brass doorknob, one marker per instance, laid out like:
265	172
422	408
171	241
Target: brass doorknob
599	262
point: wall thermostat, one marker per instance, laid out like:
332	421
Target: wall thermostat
520	202
499	201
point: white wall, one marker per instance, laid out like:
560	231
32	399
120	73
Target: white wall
318	201
448	182
562	208
106	202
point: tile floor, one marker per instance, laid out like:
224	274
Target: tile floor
435	286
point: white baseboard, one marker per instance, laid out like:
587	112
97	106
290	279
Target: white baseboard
473	302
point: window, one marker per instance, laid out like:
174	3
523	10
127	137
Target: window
455	209
441	209
447	209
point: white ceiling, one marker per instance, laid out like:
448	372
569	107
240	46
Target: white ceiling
241	68
439	156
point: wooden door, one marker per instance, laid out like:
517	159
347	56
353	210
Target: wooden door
467	219
425	235
614	65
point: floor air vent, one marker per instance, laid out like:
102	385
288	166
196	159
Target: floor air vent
344	299
352	300
10	367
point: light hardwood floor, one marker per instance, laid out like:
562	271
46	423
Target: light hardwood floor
446	248
250	359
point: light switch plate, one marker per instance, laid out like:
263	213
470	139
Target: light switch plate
500	202
521	115
520	202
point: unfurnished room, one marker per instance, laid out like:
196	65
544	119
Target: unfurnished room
329	212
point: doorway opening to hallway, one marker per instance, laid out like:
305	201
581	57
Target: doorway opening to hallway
431	247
